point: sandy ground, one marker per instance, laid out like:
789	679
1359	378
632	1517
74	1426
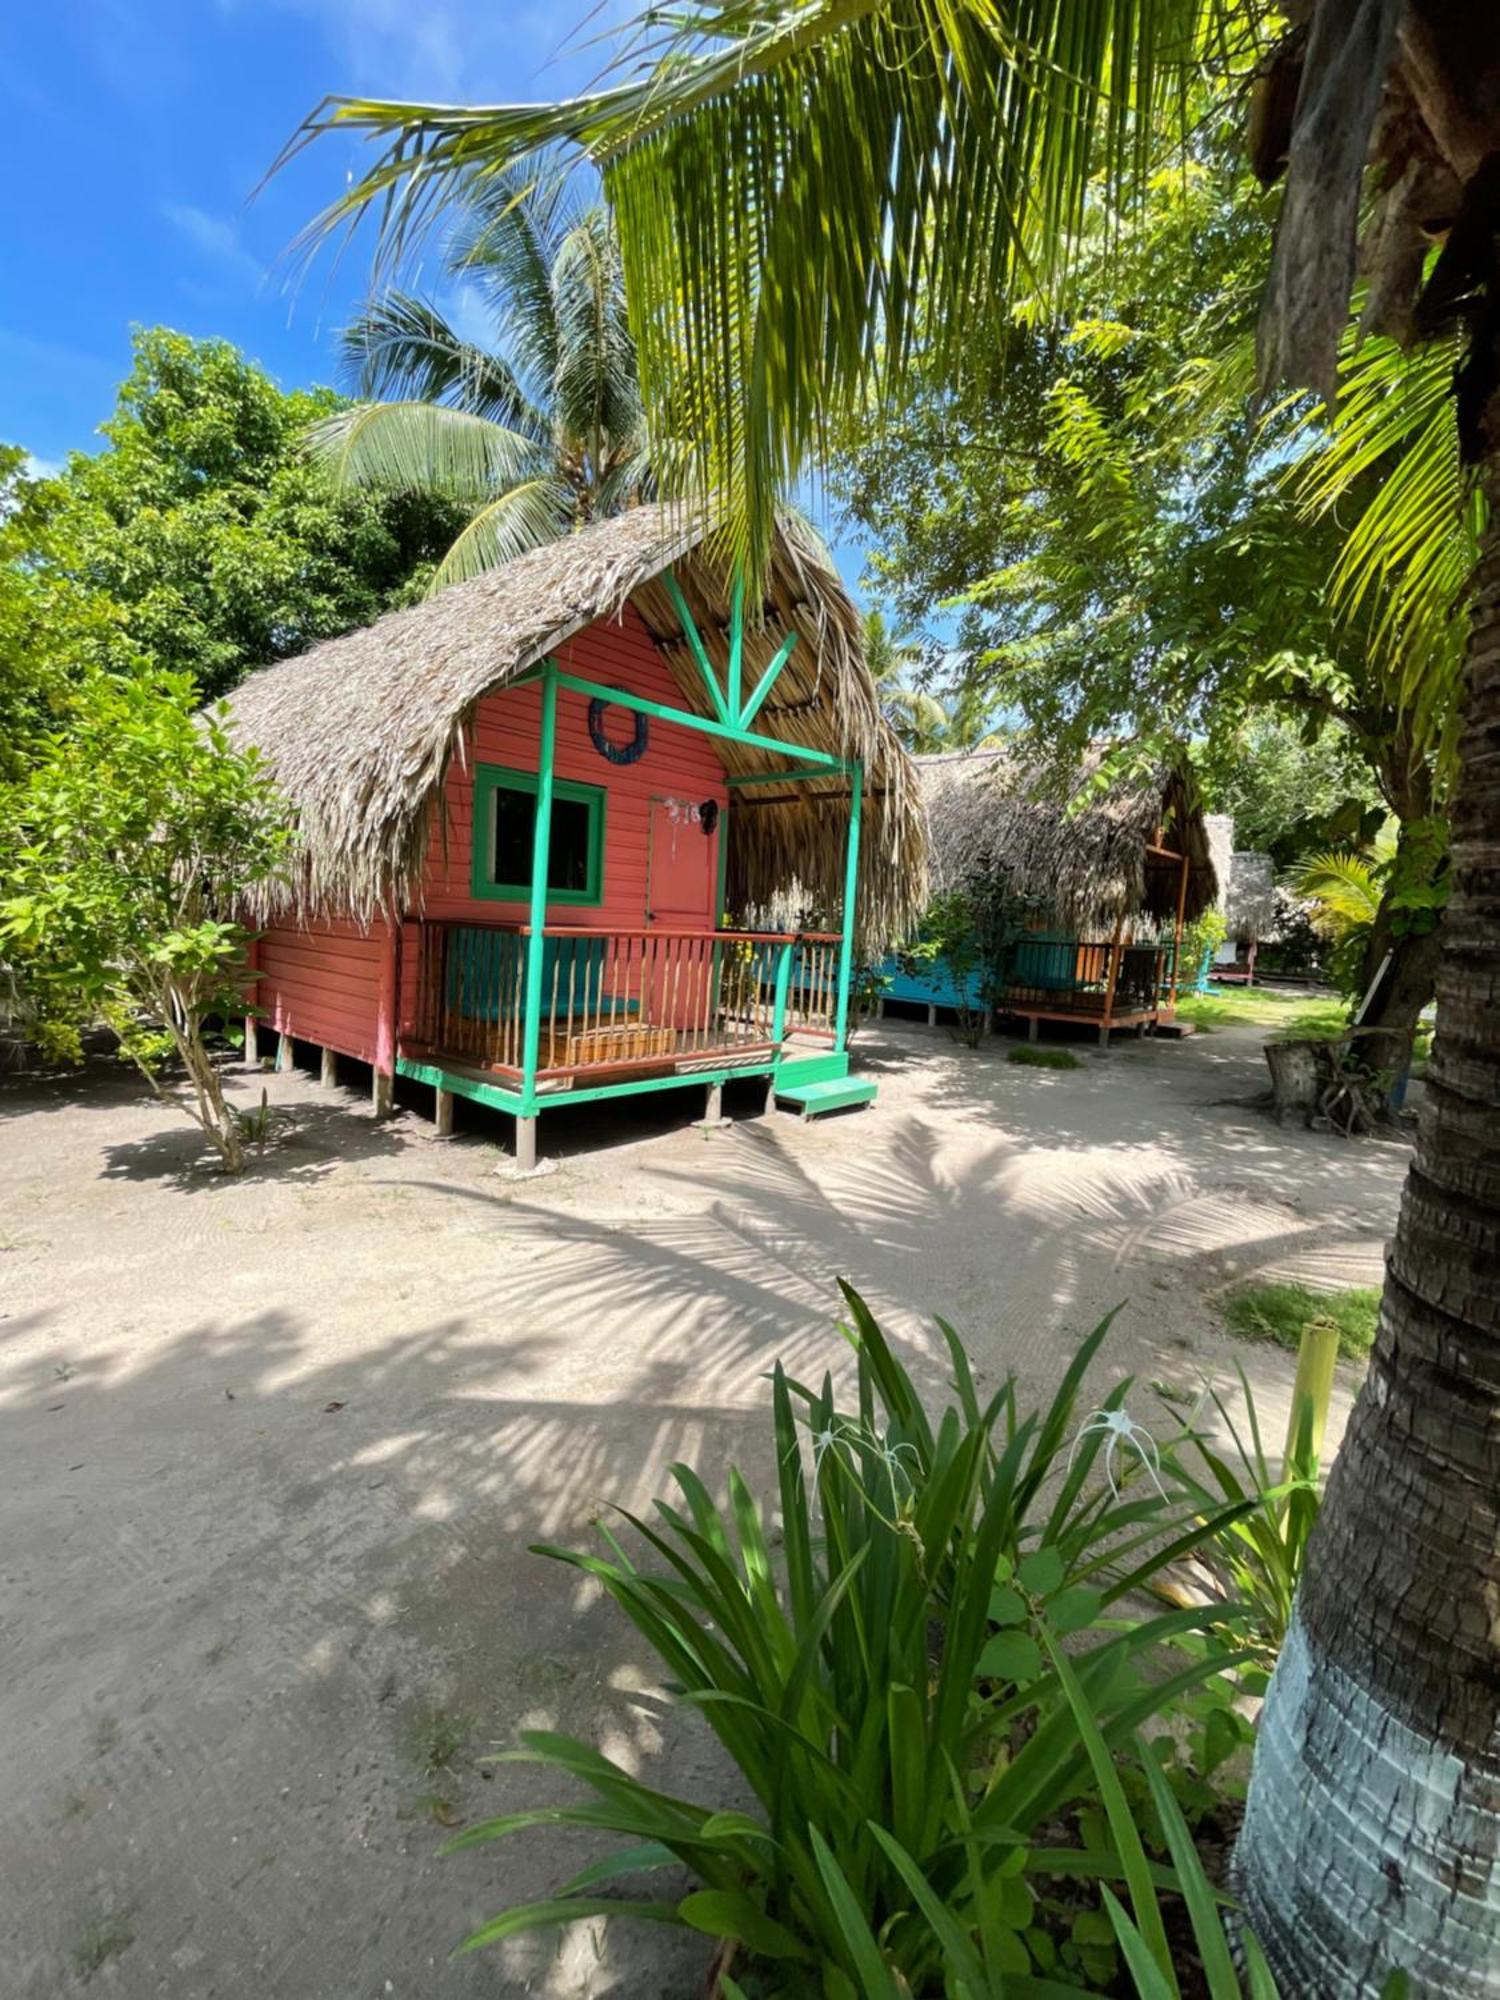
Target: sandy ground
271	1454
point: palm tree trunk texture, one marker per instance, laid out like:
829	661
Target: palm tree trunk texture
1371	1835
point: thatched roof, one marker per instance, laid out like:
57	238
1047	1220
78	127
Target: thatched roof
1001	825
360	731
1250	899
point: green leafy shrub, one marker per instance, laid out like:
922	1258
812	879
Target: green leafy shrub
128	851
891	1690
956	941
1256	1558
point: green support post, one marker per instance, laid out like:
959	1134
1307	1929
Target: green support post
851	885
541	842
699	651
783	990
767	681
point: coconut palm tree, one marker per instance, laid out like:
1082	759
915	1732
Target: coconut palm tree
924	722
538	431
807	188
892	652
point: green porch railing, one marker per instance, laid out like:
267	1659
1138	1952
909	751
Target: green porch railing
615	1000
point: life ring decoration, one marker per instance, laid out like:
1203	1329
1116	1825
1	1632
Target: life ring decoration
617	753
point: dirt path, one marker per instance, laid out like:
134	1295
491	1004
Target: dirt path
271	1454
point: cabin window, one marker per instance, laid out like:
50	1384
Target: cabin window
505	822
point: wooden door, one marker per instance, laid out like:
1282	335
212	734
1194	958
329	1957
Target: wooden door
681	896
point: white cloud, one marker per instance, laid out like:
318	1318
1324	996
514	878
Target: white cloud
217	243
41	468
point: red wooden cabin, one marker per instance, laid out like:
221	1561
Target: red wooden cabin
528	807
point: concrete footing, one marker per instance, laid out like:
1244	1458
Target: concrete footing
328	1074
525	1145
383	1093
252	1039
285	1053
443	1113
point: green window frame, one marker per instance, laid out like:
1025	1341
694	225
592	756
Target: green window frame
492	778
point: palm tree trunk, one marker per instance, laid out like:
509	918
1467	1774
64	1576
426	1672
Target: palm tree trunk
1372	1835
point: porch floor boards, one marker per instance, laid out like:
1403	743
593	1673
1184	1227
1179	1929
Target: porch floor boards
685	1058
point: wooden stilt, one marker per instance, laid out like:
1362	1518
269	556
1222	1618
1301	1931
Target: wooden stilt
932	1017
252	1040
383	1093
443	1112
285	1054
1114	980
1033	1029
1182	889
526	1144
328	1075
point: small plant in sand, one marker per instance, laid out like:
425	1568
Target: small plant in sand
128	854
1029	1056
953	945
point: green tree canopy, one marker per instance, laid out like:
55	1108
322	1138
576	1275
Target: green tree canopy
127	854
200	540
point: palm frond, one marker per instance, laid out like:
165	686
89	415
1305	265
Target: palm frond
535	511
596	390
403	349
1389	464
423	447
804	191
1346	888
509	231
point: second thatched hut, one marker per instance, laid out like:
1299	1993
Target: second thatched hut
1078	894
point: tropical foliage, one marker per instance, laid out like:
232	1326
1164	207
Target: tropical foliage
200	540
126	854
961	145
532	433
892	1691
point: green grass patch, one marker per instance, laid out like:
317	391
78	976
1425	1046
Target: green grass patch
1284	1312
1292	1016
1038	1058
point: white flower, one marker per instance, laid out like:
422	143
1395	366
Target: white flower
1121	1428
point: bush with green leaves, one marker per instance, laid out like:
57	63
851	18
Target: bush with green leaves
1256	1559
955	942
892	1688
128	853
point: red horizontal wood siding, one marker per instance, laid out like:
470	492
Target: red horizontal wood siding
321	982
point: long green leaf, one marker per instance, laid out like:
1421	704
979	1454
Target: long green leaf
1122	1826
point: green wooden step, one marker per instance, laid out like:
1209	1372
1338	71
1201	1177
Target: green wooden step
833	1094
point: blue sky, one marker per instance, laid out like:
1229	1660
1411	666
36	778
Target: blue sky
139	131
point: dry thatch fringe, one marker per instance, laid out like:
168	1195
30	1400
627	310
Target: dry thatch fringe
1000	826
360	732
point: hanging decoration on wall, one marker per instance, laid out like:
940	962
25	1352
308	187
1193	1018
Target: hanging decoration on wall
618	753
683	812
